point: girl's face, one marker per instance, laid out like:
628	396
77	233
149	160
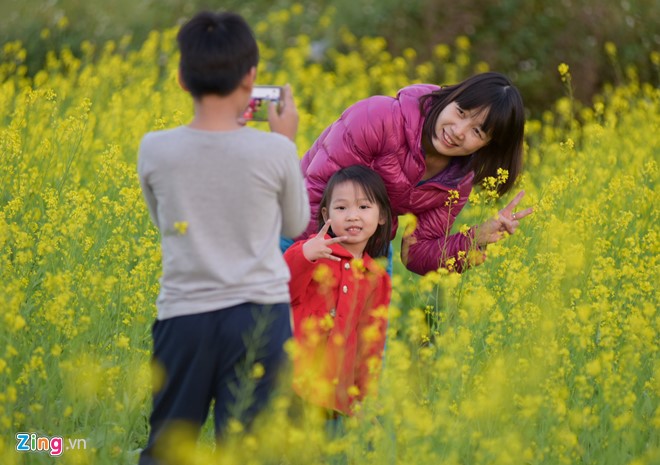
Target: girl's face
458	132
353	215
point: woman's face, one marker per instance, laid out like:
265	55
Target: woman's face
459	132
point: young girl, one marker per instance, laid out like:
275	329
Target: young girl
430	145
340	294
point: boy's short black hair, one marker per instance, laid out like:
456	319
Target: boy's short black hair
217	51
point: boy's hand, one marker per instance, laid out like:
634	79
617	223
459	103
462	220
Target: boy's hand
319	247
286	121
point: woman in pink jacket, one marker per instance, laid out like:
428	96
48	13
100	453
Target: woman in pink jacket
430	145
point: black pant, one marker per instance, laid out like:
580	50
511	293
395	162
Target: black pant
213	356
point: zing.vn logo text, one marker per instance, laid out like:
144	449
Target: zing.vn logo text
29	442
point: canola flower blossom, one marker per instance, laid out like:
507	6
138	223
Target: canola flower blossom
546	353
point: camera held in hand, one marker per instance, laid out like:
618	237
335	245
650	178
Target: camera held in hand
260	100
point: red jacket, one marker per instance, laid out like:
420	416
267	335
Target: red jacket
340	320
385	133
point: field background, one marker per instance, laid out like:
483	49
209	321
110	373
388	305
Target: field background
525	39
545	354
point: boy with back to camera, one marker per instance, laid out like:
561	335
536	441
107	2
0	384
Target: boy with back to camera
221	195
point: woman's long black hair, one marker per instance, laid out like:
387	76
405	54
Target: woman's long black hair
504	123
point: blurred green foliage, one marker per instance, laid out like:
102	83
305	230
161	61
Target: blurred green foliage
525	39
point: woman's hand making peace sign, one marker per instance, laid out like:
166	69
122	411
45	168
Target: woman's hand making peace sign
506	222
319	247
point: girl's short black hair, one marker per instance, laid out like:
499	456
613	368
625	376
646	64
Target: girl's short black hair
217	51
504	123
374	188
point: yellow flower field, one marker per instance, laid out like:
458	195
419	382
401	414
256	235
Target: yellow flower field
548	353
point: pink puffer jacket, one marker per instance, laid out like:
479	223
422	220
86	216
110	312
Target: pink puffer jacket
385	133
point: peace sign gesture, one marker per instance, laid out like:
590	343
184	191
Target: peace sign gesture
507	221
319	247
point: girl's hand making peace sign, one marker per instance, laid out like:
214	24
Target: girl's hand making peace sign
506	222
319	247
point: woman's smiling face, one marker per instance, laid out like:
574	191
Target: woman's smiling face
459	132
